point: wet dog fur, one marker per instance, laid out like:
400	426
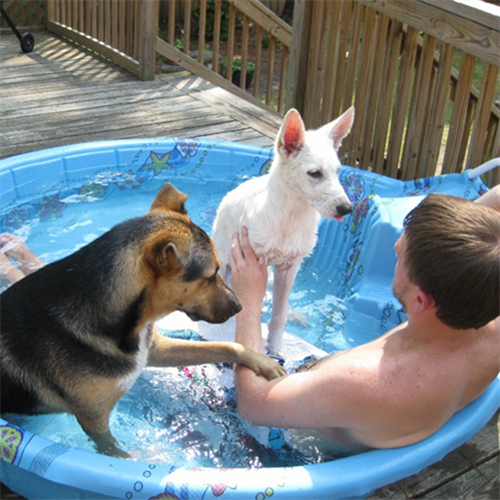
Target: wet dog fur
76	334
283	208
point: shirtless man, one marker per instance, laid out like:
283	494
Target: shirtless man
403	386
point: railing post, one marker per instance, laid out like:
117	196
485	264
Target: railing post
49	12
299	55
148	31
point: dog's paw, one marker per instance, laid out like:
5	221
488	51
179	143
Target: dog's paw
106	444
112	450
296	318
136	455
270	370
259	363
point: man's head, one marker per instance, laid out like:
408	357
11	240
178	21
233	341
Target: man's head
451	250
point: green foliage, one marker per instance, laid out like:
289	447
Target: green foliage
210	16
236	65
179	42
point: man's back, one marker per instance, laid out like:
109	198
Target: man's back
404	386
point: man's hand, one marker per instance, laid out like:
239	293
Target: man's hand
491	198
248	277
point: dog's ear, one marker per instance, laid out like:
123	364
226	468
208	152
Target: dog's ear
165	257
291	136
340	127
169	198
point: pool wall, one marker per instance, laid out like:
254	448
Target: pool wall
359	251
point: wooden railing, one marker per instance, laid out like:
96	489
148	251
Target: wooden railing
123	31
422	74
242	33
408	68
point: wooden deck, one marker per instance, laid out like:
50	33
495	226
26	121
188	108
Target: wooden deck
61	94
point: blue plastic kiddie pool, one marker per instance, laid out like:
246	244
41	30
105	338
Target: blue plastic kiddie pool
45	198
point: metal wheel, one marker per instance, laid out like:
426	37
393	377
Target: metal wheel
27	43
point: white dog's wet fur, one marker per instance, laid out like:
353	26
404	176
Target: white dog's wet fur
282	209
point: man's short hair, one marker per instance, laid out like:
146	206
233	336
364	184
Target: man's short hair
453	254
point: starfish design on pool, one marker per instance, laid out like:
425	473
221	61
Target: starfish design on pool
159	163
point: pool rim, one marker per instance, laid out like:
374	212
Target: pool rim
355	476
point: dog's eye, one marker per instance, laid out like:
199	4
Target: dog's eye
212	279
315	174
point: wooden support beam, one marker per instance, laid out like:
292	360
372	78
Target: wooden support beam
148	29
297	74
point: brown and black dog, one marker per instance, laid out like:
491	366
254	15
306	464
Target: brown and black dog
76	334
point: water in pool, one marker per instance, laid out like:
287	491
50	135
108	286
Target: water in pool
185	415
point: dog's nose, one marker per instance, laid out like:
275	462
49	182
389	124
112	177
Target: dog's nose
344	209
238	307
235	305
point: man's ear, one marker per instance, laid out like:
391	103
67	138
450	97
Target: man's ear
169	198
422	301
291	136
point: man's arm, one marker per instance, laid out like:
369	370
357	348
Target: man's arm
248	281
322	398
491	198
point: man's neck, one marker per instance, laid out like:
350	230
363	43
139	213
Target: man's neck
426	327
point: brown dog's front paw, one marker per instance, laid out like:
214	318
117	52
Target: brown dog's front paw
116	452
273	370
106	444
260	364
267	367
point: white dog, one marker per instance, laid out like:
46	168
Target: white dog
282	209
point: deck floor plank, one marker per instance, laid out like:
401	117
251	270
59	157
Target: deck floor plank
479	451
480	483
61	94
